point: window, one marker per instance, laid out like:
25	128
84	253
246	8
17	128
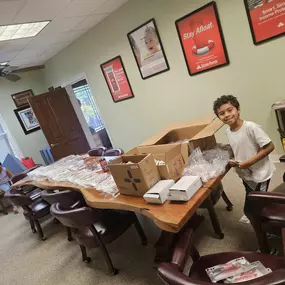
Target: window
7	143
88	106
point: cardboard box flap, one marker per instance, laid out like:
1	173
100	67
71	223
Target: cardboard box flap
161	152
139	158
206	120
209	130
153	140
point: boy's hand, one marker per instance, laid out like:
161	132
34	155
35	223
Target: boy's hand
233	163
245	165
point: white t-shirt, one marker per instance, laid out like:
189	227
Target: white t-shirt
245	143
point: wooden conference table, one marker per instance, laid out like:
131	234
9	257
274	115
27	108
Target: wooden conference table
170	217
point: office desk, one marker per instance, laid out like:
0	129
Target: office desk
170	217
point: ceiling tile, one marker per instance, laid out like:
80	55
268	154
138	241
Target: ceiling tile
80	8
90	21
70	20
109	6
40	10
29	53
8	56
8	11
21	62
48	40
61	25
14	45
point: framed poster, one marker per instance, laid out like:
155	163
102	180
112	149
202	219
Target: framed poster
202	39
266	19
148	50
117	79
27	119
21	98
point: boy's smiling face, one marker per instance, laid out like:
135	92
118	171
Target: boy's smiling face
229	114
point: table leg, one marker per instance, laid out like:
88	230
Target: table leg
164	245
214	218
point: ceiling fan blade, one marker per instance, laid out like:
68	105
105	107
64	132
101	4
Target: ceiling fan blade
30	68
12	77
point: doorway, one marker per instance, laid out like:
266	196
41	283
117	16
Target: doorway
91	114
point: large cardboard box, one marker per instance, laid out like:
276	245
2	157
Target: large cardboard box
190	134
170	154
134	174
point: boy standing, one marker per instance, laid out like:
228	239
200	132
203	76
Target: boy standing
5	176
250	144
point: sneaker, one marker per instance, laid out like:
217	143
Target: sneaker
244	219
15	210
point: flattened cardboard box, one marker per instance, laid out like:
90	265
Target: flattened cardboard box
134	178
170	154
191	134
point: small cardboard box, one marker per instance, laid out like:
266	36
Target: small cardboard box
191	134
170	154
159	192
134	178
185	188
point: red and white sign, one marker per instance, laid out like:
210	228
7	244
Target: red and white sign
266	18
202	40
117	79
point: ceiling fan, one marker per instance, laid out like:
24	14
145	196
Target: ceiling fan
8	72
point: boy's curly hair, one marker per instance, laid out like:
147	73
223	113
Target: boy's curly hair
224	100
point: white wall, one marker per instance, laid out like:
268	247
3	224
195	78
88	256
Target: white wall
255	74
29	144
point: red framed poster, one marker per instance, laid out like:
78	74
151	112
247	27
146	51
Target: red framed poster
117	79
266	19
202	39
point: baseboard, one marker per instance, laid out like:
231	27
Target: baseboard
275	157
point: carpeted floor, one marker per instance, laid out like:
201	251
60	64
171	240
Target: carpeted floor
25	260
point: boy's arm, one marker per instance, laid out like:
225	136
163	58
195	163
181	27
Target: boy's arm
9	173
263	152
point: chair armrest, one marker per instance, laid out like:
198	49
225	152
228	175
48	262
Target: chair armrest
181	248
267	197
283	235
171	274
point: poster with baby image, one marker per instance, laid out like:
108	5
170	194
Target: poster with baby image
202	40
266	19
148	50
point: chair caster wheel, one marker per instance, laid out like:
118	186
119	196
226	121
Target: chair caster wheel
70	239
229	208
115	272
34	231
87	260
220	236
44	238
144	243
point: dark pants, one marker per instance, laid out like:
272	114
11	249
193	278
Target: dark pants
263	186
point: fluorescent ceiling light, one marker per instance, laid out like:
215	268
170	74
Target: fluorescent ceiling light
19	31
3	63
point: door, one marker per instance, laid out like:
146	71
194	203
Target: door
91	113
59	123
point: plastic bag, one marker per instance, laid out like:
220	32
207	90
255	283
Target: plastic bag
207	165
74	169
